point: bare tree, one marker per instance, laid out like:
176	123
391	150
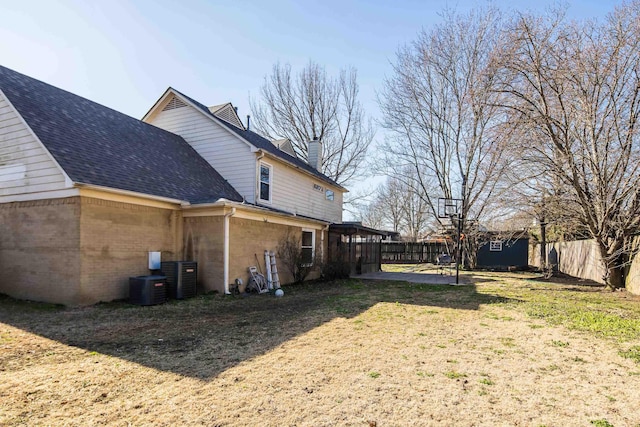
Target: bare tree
536	199
442	112
313	105
576	89
416	214
372	214
391	197
396	206
384	207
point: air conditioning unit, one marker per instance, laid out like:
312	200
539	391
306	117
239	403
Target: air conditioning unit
147	290
181	278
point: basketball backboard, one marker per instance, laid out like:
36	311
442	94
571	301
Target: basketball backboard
448	207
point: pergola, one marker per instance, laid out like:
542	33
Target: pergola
357	245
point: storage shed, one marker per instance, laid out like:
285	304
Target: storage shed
503	254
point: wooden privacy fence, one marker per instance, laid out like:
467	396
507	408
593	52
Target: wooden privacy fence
413	252
581	258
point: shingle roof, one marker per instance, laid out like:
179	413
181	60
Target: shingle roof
100	146
264	144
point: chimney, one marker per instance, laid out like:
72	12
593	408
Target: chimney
248	121
315	154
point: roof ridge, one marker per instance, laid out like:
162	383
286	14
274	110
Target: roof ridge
68	93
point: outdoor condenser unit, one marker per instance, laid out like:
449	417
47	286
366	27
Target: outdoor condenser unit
147	290
181	278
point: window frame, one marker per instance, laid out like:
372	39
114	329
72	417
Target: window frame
260	182
313	244
495	246
330	195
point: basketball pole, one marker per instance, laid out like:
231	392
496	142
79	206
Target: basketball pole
460	220
458	252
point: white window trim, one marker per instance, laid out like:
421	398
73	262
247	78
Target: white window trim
326	195
313	244
270	167
495	246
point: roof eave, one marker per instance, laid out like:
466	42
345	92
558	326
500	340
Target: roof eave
183	203
348	228
222	203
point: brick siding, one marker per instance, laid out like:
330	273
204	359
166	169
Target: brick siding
39	250
115	241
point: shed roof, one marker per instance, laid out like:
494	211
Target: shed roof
356	228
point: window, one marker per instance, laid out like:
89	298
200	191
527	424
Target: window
329	195
265	182
495	246
308	245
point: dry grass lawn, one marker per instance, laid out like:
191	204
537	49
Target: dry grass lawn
507	350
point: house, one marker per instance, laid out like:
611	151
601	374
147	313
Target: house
86	192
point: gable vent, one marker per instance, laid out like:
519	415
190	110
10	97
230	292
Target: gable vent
173	104
228	114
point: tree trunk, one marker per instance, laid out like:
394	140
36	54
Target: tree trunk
615	265
543	244
470	251
616	278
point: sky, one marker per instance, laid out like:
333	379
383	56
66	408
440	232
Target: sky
124	54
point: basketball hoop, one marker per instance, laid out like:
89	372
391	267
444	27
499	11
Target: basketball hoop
448	208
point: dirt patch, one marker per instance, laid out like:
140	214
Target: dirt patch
507	351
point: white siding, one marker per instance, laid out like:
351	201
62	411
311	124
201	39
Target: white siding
294	191
224	151
25	165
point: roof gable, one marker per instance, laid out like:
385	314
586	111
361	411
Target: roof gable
97	145
228	113
252	138
285	145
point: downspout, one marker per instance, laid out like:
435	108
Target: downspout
226	250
